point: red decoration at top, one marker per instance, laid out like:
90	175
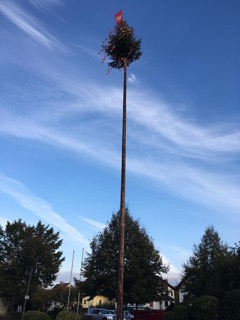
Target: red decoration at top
118	17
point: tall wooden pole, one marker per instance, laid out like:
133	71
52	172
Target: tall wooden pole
70	284
122	202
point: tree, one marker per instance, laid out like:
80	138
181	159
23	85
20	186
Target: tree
142	263
231	305
41	299
122	48
199	272
30	257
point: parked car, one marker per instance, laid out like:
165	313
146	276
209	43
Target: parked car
99	314
114	313
126	315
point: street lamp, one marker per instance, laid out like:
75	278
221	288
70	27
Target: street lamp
79	293
26	297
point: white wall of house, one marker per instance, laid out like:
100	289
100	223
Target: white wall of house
181	296
97	300
163	304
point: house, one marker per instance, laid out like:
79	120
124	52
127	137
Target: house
61	292
179	290
169	296
61	286
166	299
96	301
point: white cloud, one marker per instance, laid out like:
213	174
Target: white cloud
132	78
26	199
189	159
29	25
98	225
45	3
3	222
174	274
155	130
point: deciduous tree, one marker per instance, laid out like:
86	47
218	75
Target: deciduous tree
29	254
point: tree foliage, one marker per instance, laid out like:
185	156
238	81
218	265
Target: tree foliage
27	253
143	264
227	271
231	305
199	272
121	46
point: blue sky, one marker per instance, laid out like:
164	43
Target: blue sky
60	131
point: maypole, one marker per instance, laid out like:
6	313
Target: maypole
122	48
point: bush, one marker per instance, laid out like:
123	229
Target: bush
168	315
36	315
180	313
67	315
205	308
53	313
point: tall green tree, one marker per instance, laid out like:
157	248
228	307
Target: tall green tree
143	265
30	257
227	271
122	48
199	272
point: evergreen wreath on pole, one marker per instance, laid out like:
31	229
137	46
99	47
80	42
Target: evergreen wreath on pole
121	46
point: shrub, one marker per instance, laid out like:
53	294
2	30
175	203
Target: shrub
67	315
180	313
168	315
205	308
36	315
53	313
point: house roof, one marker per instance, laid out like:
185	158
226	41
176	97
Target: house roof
60	285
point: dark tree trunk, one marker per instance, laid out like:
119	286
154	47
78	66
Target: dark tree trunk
122	201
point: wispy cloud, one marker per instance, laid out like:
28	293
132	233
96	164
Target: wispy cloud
186	150
191	159
98	225
45	4
26	199
30	25
132	78
187	180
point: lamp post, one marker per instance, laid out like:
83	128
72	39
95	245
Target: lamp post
79	293
26	297
70	284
